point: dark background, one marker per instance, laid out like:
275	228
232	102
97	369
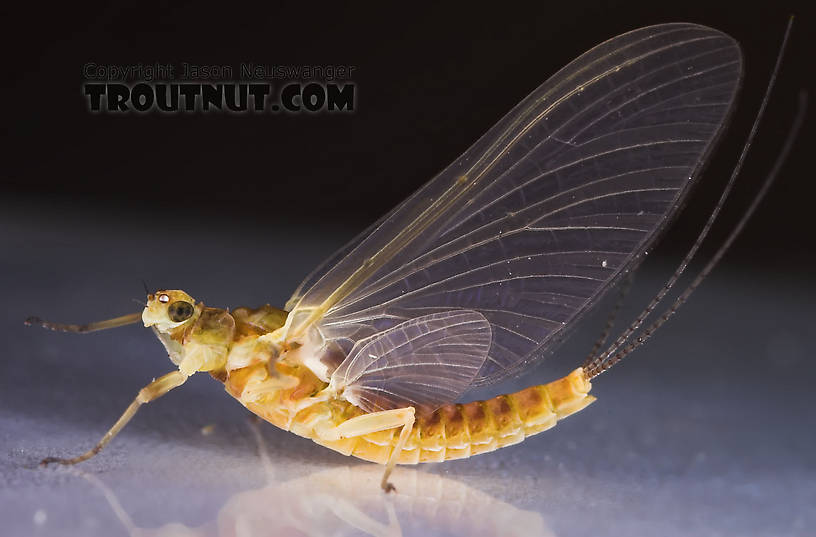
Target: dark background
430	80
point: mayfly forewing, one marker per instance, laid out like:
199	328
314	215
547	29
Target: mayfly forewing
321	270
544	213
596	363
417	218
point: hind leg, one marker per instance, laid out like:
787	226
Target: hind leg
373	423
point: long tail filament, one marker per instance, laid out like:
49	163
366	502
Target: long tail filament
597	364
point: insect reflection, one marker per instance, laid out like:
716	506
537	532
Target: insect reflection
343	501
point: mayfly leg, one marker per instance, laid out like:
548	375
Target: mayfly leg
373	422
124	320
154	390
263	452
113	501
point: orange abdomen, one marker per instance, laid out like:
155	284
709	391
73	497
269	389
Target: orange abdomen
458	431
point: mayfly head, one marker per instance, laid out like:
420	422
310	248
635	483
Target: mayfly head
196	338
171	311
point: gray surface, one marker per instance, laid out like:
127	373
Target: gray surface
708	430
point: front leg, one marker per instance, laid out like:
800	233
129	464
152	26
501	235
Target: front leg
373	423
154	390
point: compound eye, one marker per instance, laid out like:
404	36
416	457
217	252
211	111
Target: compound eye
180	311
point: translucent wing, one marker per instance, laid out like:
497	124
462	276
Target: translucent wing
328	263
548	209
429	360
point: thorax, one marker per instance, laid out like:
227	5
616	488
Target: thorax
282	386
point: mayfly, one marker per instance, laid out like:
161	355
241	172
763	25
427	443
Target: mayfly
477	274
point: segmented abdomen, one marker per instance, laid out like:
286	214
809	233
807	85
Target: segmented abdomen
462	430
